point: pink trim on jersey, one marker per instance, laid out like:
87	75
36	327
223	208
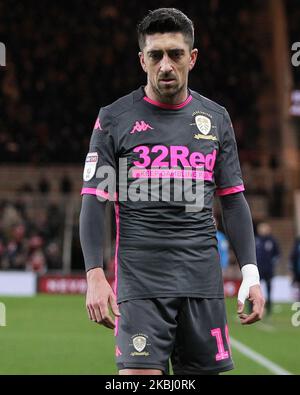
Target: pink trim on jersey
169	106
116	326
97	192
229	191
117	212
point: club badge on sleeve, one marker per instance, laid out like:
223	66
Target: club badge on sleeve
90	166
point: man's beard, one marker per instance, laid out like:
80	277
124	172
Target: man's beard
167	92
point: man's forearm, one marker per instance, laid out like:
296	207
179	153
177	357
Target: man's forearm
238	226
91	231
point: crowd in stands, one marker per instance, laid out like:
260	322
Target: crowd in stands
67	62
30	236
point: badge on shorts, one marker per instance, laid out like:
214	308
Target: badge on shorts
139	343
203	124
90	166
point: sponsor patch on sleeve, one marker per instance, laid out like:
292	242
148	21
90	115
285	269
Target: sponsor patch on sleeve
90	166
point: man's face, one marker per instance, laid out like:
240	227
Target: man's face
263	229
167	60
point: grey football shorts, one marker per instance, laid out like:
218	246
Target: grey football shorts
192	333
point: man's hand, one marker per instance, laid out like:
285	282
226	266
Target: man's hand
258	302
99	297
250	289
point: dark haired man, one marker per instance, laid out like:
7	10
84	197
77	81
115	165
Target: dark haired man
168	299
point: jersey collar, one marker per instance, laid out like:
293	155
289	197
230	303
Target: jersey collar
165	105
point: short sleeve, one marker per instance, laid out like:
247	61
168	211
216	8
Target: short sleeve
228	175
99	172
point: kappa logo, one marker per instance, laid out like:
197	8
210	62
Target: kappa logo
140	126
97	124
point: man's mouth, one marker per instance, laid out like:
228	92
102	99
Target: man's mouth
167	80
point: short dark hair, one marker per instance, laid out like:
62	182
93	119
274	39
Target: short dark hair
165	20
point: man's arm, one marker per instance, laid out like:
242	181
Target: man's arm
239	229
92	234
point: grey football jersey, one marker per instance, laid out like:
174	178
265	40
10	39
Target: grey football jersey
162	247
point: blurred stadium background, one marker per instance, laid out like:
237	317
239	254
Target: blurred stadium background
63	62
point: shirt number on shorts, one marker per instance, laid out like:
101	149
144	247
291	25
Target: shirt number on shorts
217	333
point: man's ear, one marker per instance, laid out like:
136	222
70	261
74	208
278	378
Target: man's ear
142	61
194	55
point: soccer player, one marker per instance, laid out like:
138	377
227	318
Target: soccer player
294	266
267	255
168	298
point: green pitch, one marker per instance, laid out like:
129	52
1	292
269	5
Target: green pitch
52	335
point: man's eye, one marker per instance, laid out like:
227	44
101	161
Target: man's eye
155	56
175	54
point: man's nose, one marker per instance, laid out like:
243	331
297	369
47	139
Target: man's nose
165	64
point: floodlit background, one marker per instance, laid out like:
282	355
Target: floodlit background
63	61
